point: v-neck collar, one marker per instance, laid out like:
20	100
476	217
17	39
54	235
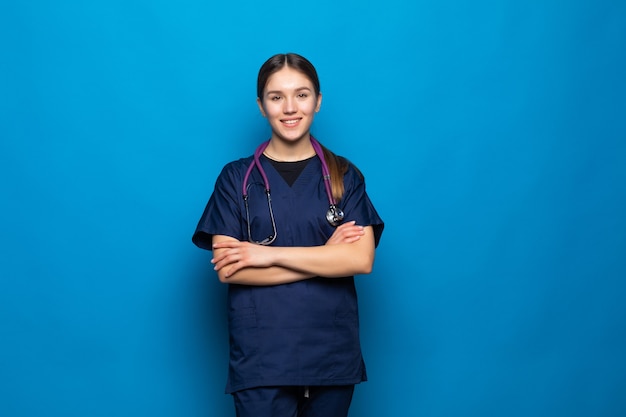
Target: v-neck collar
290	171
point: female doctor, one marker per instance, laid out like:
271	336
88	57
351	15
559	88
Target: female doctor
289	228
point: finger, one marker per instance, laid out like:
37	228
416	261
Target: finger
233	268
219	255
357	231
229	272
225	258
351	239
225	248
346	224
226	244
353	231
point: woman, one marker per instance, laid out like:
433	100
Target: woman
290	255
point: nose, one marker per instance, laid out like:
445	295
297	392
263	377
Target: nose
289	105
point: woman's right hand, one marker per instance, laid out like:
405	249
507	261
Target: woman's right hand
346	233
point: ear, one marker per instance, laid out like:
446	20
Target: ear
261	109
319	102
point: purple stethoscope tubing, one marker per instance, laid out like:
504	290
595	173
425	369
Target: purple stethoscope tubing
257	162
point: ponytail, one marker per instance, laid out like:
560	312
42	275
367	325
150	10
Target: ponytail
337	168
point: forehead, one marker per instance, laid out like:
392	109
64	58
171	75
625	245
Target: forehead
288	79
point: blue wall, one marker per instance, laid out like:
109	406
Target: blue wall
493	138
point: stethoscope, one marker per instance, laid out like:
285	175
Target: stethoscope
334	215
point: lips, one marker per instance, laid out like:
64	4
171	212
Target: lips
290	122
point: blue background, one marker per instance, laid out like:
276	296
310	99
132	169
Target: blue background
493	138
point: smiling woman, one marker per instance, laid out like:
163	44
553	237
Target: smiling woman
289	101
293	315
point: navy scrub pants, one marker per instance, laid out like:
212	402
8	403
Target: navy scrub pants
320	401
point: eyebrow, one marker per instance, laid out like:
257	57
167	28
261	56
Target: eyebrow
280	92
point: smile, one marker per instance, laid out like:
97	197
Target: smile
291	122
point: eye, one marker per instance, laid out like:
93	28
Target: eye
303	95
275	98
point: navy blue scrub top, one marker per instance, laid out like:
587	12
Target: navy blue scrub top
305	333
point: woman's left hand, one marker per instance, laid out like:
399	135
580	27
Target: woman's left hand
348	232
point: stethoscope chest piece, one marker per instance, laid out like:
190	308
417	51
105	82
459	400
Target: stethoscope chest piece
334	215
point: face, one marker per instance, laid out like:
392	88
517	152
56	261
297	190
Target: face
289	104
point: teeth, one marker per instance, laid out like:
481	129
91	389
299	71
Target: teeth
290	122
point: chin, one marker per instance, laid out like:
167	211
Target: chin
292	136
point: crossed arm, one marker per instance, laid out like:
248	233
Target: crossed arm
349	251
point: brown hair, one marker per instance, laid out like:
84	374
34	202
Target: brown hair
337	166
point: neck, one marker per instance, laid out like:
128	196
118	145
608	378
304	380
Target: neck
289	152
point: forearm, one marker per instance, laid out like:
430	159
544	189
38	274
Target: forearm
326	261
259	263
273	275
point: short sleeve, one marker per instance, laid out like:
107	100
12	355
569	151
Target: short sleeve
357	205
222	214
